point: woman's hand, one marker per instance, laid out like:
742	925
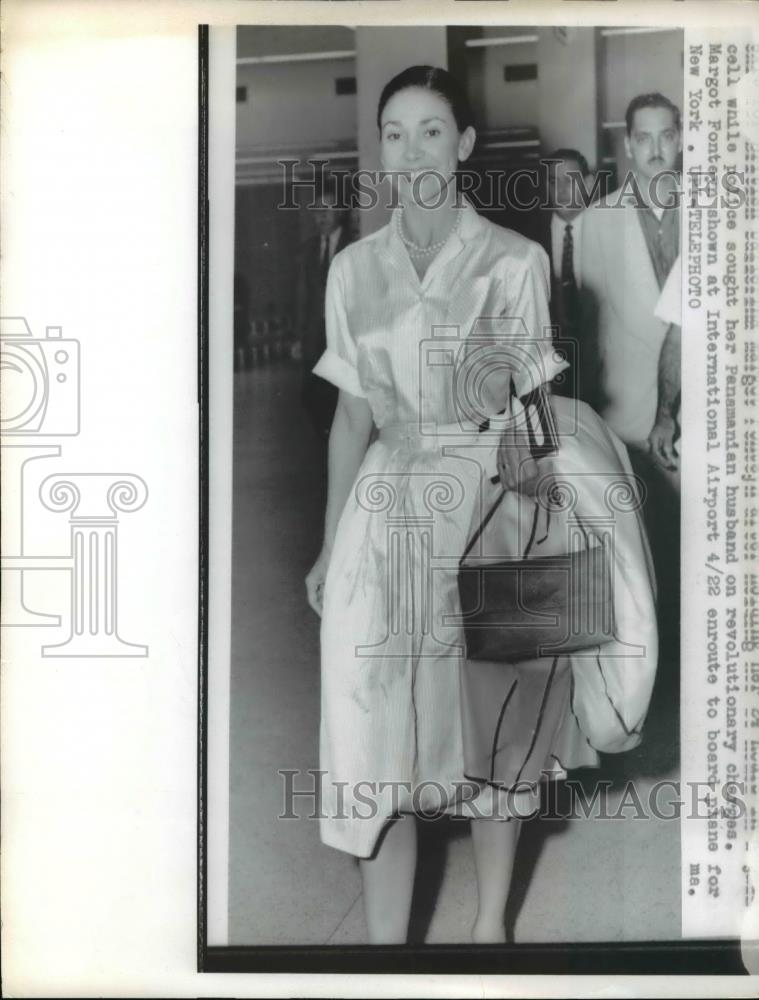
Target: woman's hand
348	441
315	581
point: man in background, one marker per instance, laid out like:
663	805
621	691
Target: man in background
318	396
630	242
561	237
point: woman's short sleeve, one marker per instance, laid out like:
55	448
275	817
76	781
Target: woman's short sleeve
339	363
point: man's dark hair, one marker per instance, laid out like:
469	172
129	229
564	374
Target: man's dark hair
655	100
564	154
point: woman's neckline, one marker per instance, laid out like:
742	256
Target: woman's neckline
405	215
430	262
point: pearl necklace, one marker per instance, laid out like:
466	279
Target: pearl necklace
415	250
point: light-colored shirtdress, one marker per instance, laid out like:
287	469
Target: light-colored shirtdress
391	729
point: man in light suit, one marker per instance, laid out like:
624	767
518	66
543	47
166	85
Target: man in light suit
666	431
630	242
318	396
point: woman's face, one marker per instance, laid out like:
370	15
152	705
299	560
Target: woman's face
421	145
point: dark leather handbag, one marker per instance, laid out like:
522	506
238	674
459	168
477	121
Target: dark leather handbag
523	609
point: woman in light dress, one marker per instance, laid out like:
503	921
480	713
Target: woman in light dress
401	305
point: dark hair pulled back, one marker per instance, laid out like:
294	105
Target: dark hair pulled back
437	80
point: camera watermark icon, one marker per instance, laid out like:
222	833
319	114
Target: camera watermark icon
41	402
484	367
42	379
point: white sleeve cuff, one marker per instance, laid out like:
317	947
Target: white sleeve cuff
337	371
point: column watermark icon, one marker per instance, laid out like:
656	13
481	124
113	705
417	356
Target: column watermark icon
42	403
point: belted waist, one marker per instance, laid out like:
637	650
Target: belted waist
428	435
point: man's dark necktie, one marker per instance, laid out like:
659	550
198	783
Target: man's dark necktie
568	284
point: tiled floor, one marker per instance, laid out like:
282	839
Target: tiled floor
576	879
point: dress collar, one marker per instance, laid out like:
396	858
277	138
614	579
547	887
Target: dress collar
390	242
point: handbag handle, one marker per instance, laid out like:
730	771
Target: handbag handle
483	525
539	399
486	521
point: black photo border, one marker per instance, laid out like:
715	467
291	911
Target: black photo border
681	957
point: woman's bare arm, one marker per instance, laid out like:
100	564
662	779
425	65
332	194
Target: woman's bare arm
348	441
